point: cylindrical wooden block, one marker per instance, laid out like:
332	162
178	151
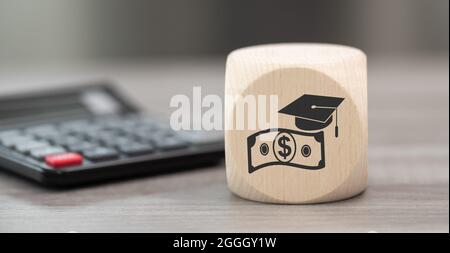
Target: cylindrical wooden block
317	150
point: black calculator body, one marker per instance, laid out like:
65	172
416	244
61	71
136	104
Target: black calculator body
89	133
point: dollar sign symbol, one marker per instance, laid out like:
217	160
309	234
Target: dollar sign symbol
286	148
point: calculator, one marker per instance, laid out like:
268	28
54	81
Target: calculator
86	133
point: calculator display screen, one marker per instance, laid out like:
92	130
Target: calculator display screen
64	104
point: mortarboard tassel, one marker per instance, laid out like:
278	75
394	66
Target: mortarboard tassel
336	128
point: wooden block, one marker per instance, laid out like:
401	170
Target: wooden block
316	149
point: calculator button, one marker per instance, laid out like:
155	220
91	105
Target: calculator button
75	126
41	131
63	160
118	141
81	147
148	127
143	136
148	123
101	135
26	147
9	133
136	149
41	153
170	143
46	135
110	123
11	141
65	140
165	132
154	135
101	154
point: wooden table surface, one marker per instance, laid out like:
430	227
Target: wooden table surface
408	161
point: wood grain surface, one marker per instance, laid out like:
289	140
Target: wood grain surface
408	187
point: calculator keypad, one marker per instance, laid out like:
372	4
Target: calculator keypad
97	140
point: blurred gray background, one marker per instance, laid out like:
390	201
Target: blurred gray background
70	31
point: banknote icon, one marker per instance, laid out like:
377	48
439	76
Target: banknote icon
285	147
301	149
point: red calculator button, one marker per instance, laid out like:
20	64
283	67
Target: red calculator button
63	160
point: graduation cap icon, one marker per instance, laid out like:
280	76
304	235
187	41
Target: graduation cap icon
313	112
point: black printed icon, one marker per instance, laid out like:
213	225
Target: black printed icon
313	112
302	149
